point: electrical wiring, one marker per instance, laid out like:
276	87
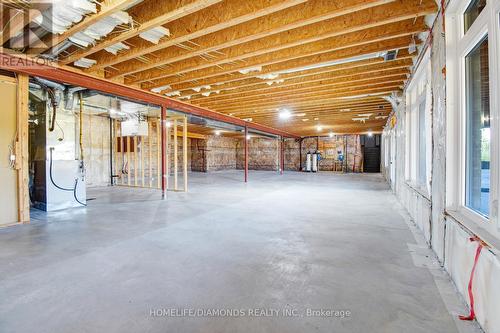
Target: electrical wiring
60	187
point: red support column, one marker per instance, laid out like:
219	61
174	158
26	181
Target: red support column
163	150
245	140
282	155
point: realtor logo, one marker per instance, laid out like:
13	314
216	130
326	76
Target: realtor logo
27	27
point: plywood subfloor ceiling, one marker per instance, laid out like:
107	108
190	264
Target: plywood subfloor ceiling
322	60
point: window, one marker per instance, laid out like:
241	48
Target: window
472	12
477	187
418	104
473	114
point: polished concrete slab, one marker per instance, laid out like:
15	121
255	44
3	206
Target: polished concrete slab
294	253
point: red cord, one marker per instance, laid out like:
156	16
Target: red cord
472	314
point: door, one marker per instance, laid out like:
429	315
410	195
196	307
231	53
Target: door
371	152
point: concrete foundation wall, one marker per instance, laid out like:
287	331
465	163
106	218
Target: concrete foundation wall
448	237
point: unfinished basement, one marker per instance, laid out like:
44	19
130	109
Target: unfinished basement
252	166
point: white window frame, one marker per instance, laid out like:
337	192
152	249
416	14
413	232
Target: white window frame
419	90
458	46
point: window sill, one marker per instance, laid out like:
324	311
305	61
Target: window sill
473	224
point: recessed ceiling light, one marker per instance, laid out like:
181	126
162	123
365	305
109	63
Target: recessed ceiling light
370	133
319	128
285	114
217	132
330	134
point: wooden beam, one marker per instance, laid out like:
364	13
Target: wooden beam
292	18
308	104
259	85
21	148
192	71
313	53
299	37
253	101
218	17
321	81
149	14
309	111
107	7
345	104
252	79
288	102
284	102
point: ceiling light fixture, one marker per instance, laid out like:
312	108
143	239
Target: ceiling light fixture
330	134
319	128
217	132
285	114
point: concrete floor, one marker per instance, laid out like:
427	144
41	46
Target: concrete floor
295	242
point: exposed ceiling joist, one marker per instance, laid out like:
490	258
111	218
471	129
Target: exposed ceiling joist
310	88
148	15
380	91
343	49
220	16
107	7
306	81
252	78
295	17
264	58
250	102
